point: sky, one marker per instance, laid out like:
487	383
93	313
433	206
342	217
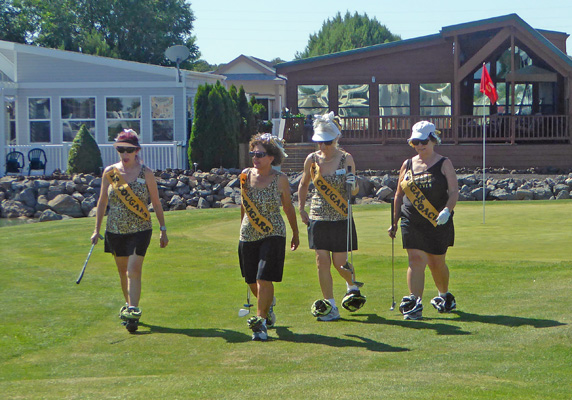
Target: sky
269	29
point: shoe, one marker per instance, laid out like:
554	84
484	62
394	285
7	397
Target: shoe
122	310
131	313
444	305
333	315
411	307
271	318
259	330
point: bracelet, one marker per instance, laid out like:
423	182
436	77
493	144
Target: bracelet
163	228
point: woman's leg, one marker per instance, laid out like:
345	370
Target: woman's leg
416	271
134	272
265	296
121	263
439	271
323	261
339	260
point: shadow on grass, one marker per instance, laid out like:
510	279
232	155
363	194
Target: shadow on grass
226	334
441	329
285	334
506	320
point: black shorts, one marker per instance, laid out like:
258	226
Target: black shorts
125	245
331	236
262	259
426	237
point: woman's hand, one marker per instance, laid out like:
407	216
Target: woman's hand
295	242
392	231
163	239
305	218
95	237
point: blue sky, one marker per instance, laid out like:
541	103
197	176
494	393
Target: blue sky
267	29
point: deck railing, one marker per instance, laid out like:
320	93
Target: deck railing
455	130
155	156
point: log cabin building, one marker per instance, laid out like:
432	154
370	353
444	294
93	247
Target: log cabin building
381	91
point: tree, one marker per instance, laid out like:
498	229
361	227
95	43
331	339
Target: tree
347	33
247	123
214	136
135	30
84	155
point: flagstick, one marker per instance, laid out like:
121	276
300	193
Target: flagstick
484	157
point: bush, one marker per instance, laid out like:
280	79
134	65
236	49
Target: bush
84	156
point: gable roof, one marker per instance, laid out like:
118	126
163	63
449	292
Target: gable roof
446	32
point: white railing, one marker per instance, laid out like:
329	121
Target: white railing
155	156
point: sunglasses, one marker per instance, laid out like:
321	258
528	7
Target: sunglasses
327	142
127	150
258	154
417	142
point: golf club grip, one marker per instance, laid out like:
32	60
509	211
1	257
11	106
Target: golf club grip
392	211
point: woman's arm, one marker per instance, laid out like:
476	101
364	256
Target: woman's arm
154	195
397	202
101	206
452	184
303	189
289	210
350	165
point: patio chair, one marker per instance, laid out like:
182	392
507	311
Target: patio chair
14	162
37	160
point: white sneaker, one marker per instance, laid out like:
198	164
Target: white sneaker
333	315
271	317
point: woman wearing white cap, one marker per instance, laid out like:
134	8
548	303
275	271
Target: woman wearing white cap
129	187
329	169
427	193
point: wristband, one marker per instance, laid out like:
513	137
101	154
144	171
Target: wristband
163	228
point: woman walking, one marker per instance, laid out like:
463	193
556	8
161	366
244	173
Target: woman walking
128	187
426	195
262	244
329	169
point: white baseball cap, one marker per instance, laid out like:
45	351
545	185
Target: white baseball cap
422	130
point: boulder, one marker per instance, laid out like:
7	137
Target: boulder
27	196
15	209
49	215
64	204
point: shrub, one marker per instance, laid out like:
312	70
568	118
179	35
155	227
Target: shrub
84	156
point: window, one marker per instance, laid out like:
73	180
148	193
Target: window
313	99
163	118
75	113
40	119
122	113
394	99
10	118
353	100
435	99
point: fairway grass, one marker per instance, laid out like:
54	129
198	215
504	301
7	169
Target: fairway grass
509	339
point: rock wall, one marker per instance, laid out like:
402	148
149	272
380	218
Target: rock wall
61	196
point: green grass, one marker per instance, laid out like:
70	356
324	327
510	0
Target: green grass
510	338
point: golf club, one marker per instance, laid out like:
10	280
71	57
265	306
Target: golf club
243	312
85	263
392	260
349	265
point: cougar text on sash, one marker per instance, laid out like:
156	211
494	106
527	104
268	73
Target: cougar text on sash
257	221
126	195
418	199
332	196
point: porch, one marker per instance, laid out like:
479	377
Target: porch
509	129
155	156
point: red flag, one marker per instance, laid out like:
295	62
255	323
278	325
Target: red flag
487	86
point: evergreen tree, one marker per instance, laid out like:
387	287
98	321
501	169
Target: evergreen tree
347	33
214	136
248	124
84	156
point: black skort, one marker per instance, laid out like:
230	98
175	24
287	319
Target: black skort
331	236
124	245
262	259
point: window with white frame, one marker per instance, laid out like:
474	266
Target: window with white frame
39	117
163	118
394	99
122	113
10	119
435	99
77	111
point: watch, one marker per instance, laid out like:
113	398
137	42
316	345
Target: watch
163	228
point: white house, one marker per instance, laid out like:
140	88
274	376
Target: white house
48	94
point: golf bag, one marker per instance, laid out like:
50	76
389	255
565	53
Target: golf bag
353	301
